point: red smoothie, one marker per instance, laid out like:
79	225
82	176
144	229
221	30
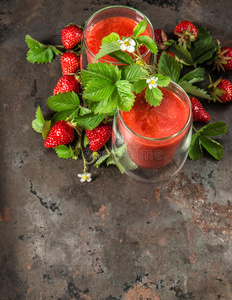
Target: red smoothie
149	143
121	25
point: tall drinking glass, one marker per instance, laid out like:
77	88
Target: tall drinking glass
119	19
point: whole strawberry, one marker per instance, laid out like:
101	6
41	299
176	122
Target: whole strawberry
222	59
66	83
221	90
227	55
99	136
70	62
160	38
61	133
71	36
198	112
186	32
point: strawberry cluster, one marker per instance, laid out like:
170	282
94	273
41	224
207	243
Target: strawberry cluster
186	34
62	132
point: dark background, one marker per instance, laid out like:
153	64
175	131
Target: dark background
112	238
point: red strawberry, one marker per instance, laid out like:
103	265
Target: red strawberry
61	133
221	90
98	136
66	83
223	59
70	62
186	32
199	113
227	55
160	38
71	36
226	86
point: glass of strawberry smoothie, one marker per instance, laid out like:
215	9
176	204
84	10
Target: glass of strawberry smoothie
118	19
151	143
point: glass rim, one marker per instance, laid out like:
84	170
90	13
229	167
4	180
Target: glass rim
186	125
111	7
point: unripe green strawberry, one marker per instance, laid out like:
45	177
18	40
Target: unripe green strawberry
61	133
66	83
70	63
99	136
71	36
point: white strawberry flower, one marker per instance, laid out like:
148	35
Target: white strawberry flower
85	177
152	82
127	45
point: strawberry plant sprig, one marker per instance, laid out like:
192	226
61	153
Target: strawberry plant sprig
109	86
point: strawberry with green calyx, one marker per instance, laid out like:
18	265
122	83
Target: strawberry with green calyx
99	136
161	38
198	112
61	133
70	62
220	90
186	32
71	36
66	83
222	59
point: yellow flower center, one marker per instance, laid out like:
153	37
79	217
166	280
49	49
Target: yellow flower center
127	43
85	177
152	81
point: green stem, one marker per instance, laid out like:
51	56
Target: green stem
195	129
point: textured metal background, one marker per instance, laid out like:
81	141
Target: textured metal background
113	238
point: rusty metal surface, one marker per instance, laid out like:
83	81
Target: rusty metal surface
112	238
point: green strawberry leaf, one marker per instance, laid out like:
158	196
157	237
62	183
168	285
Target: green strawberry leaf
39	52
213	129
99	89
133	73
214	148
203	48
39	121
64	152
84	111
86	140
193	90
102	159
66	114
106	49
196	75
89	121
195	150
99	71
162	80
112	37
182	53
102	107
139	85
153	96
46	129
122	57
140	28
169	66
148	42
125	96
63	101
